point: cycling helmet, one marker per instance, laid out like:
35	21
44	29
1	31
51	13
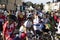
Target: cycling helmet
12	17
29	15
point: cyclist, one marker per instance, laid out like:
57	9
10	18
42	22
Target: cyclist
9	27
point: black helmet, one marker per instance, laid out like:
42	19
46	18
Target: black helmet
12	17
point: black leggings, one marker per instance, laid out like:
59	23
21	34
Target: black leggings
1	27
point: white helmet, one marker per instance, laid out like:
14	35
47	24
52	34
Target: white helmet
29	15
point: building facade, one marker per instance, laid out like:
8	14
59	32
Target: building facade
11	4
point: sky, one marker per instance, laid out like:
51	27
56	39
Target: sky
38	1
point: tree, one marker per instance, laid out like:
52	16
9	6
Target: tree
29	3
41	6
34	5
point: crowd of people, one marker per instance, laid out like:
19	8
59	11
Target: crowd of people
29	20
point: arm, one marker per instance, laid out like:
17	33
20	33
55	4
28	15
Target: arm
4	30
